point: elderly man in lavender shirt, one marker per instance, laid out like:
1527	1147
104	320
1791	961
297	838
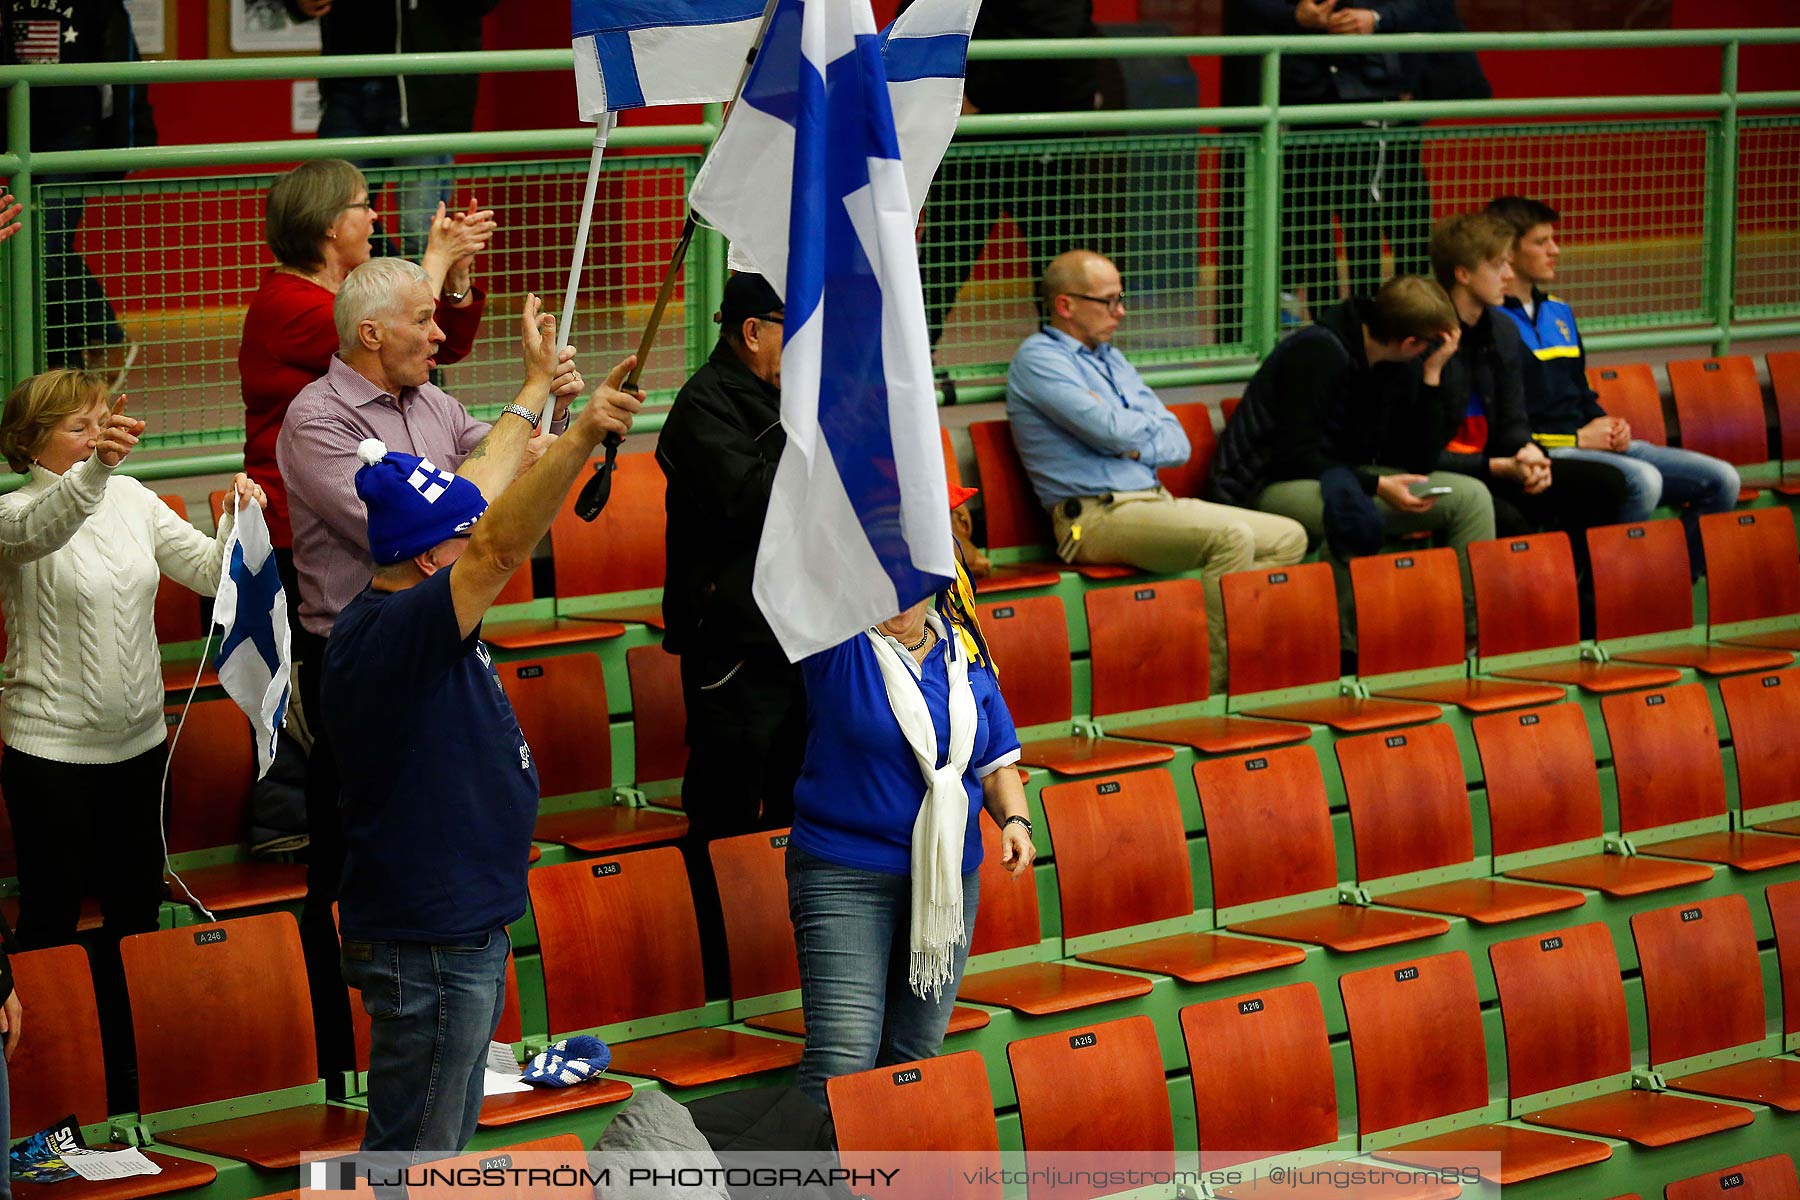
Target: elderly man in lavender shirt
378	386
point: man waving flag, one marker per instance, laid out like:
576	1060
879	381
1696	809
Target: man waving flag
809	183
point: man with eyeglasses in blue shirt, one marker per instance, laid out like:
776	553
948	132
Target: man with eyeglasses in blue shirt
1092	436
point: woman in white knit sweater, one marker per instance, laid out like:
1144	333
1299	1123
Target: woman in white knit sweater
82	550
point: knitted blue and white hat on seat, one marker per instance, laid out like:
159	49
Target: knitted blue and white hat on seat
413	504
570	1061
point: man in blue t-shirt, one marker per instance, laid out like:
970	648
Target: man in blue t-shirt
439	788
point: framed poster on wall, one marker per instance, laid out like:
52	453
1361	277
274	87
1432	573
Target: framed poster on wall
236	28
153	25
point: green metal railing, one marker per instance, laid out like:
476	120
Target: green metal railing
1680	223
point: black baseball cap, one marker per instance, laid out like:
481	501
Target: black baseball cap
747	294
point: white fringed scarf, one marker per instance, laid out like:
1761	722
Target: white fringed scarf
937	838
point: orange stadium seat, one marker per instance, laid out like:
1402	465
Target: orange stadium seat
1770	1178
1409	817
1093	1089
1274	859
1763	712
1644	604
239	990
751	870
658	723
1784	915
1029	639
561	706
1122	865
1007	922
178	619
1000	577
1528	618
1405	1014
1703	999
1264	1085
1281	635
55	1073
1410	619
1015	520
1148	657
1752	578
1719	407
1189	479
938	1108
1671	782
1545	820
1629	390
212	772
1562	1003
1784	380
619	943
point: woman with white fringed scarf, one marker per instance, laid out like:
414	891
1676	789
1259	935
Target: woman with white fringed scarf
908	739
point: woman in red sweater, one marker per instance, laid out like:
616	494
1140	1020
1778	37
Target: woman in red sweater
319	221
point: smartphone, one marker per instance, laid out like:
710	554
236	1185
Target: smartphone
1425	489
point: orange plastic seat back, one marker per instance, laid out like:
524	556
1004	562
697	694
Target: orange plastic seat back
751	870
1719	407
1416	1040
1629	390
618	939
1281	628
1770	1178
219	1011
1525	595
1121	855
1189	479
1784	379
939	1108
1409	807
1752	565
1640	577
561	706
177	608
1665	756
1784	914
1007	917
1542	786
622	549
1276	1038
212	771
1563	1008
1702	976
1763	710
1146	645
1095	1088
1014	517
1409	611
658	714
1029	640
56	1069
1268	825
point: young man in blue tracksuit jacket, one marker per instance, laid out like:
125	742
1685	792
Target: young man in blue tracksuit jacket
1566	418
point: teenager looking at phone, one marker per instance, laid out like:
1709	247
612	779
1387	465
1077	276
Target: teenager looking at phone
1343	421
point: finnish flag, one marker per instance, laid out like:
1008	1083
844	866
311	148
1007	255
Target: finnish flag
810	183
637	53
254	658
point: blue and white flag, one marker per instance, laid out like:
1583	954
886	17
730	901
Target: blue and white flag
808	178
638	53
254	658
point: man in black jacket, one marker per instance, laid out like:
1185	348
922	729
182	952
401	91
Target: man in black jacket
386	105
1340	428
746	705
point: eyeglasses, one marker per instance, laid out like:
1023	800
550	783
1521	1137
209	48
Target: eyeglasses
360	204
1114	304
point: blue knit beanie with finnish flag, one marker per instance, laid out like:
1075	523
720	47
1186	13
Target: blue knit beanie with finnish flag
413	504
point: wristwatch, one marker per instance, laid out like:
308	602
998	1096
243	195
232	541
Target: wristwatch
1015	819
519	410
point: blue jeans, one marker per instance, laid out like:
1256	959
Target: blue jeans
852	931
371	108
432	1012
1694	483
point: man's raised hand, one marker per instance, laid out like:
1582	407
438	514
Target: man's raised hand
611	408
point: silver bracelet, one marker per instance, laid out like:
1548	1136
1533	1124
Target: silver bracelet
458	297
519	410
